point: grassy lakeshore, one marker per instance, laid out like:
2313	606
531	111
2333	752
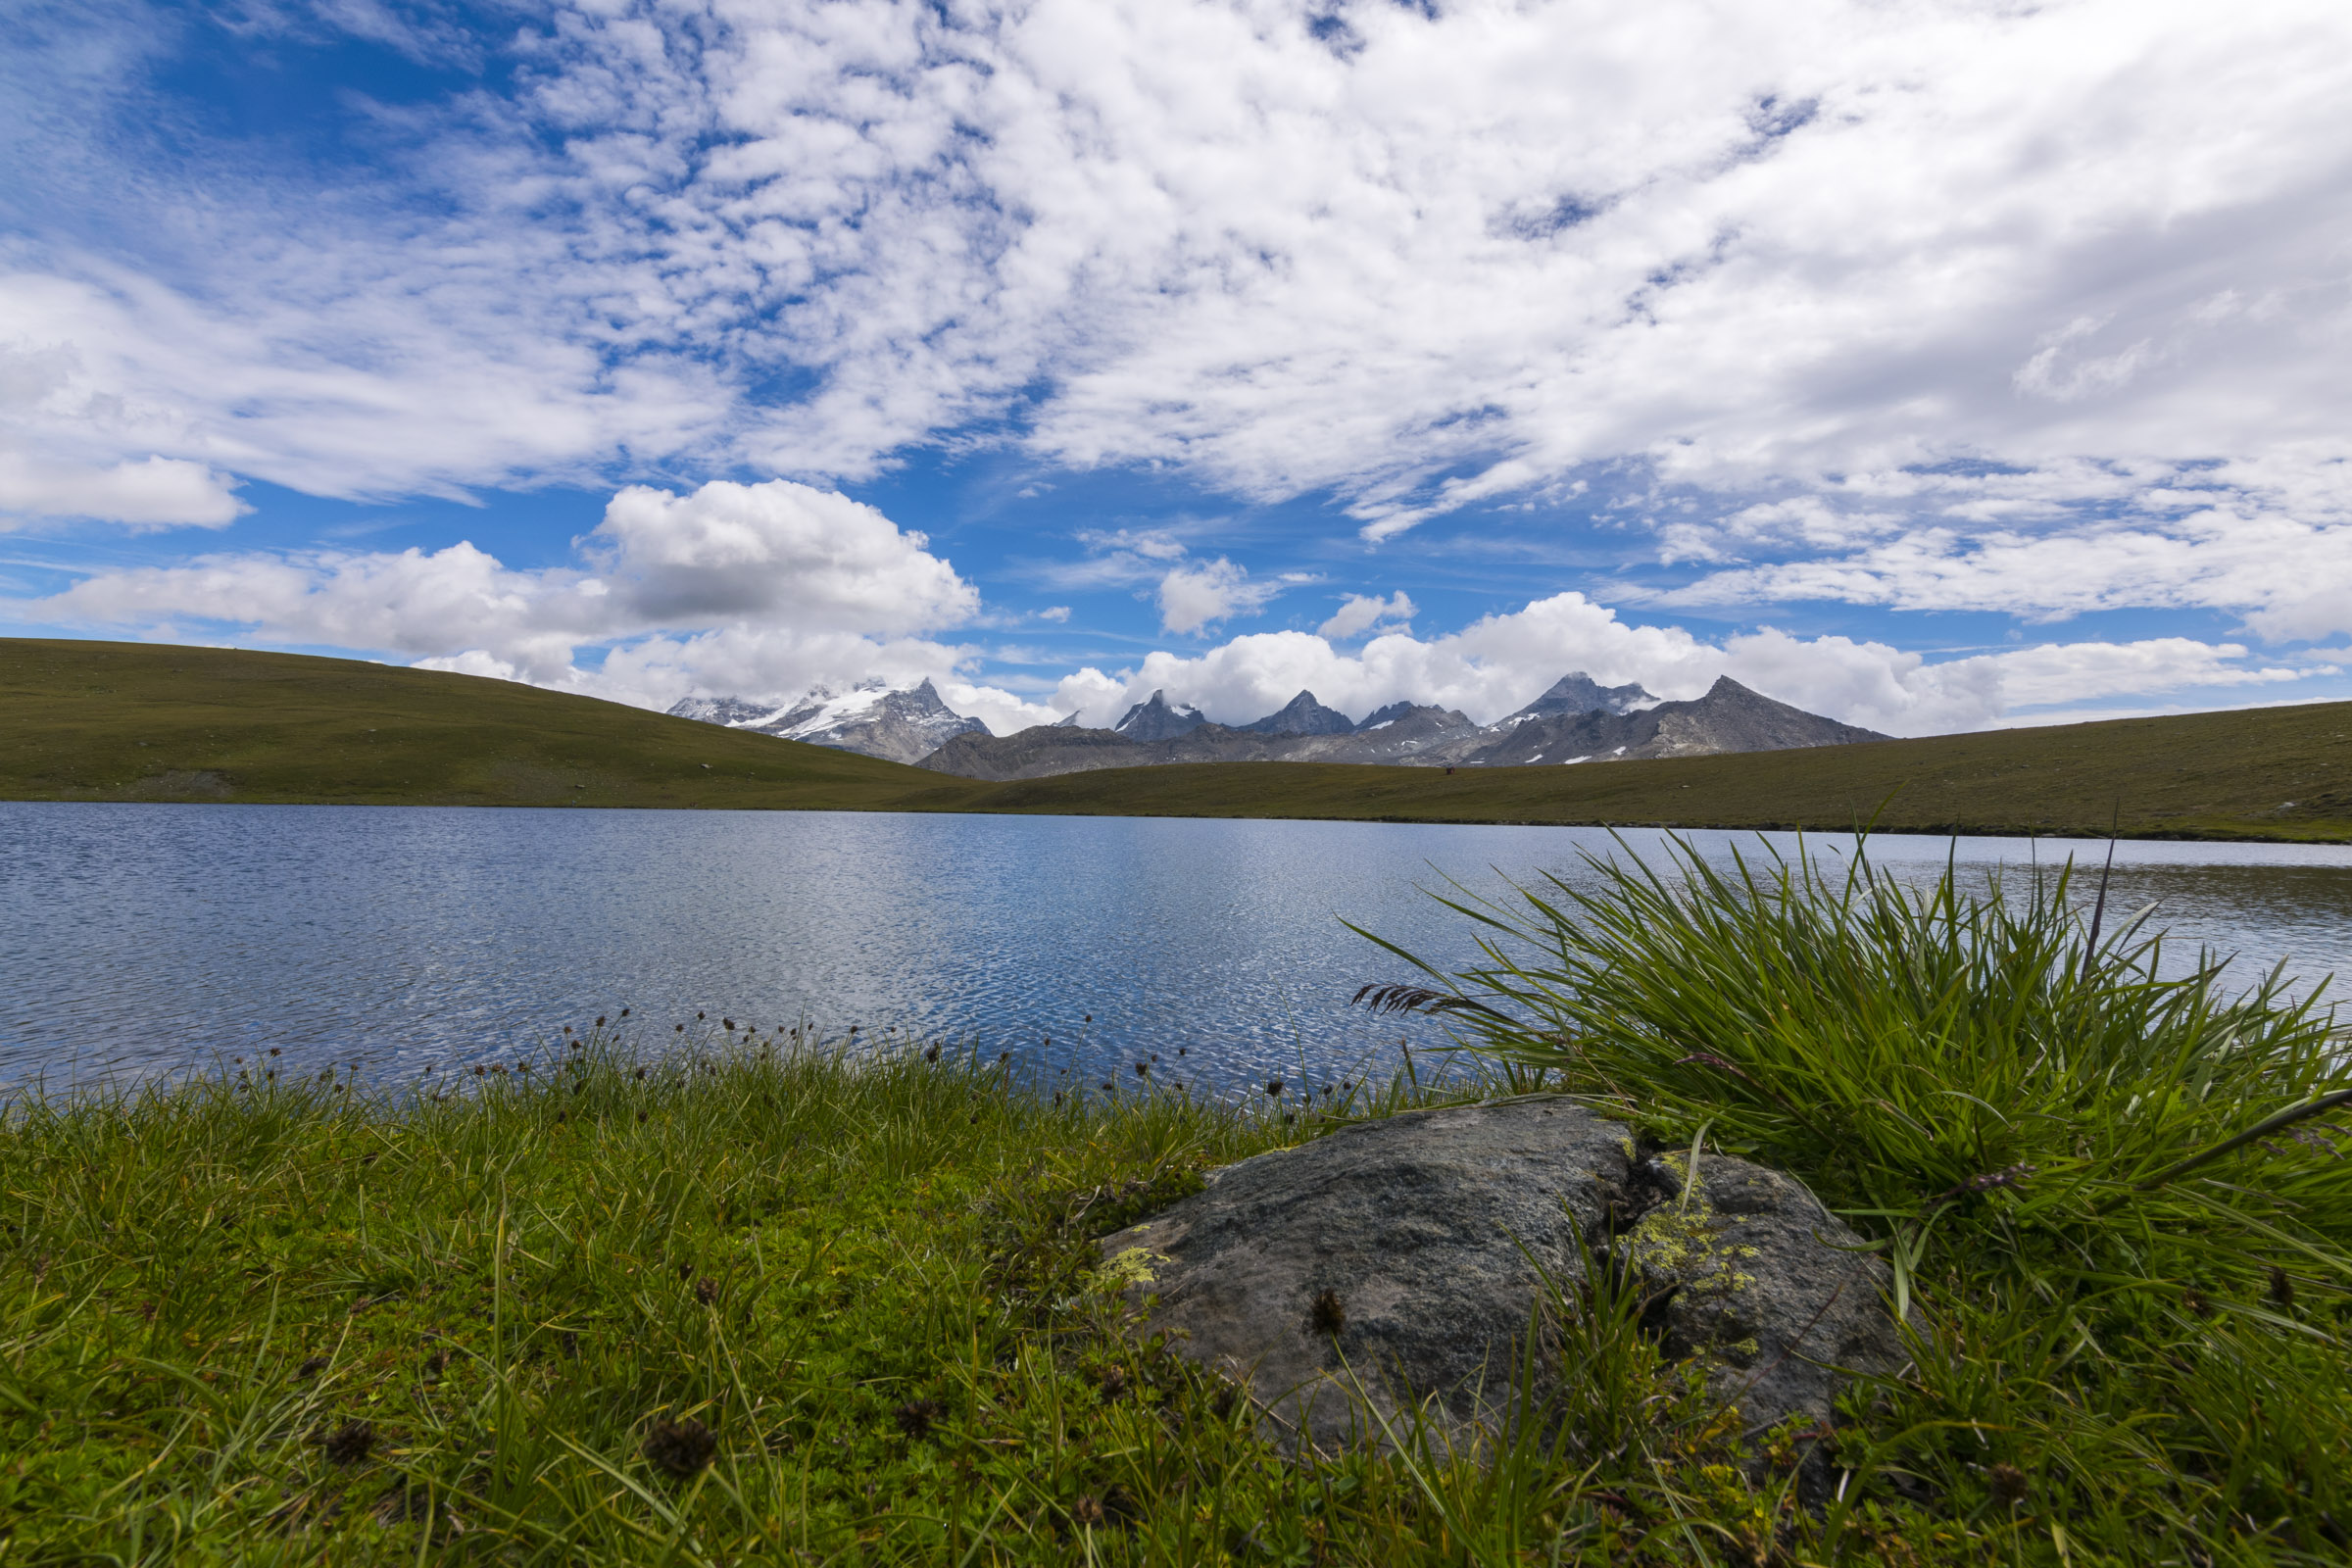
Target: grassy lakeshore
756	1298
125	722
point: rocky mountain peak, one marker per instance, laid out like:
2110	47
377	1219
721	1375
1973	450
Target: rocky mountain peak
1579	693
1155	721
1303	715
874	718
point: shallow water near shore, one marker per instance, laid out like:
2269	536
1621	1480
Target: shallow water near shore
144	939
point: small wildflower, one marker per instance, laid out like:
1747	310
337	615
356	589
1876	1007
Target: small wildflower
681	1447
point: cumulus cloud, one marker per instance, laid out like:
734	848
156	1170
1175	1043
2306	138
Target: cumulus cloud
1361	612
755	589
1193	598
1502	661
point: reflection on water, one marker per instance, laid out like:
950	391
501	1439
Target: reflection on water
137	938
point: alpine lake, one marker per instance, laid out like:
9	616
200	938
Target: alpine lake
146	940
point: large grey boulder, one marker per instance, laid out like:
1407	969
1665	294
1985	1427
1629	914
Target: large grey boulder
1397	1265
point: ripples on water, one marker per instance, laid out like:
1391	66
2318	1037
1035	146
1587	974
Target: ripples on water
144	938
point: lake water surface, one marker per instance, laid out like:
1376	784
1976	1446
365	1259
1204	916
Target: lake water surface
137	938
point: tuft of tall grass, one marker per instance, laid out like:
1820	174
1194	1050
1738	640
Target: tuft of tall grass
2114	1198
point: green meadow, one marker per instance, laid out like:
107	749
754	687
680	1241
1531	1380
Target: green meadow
124	721
710	1291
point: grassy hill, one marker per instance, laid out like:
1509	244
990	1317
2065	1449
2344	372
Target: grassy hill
133	721
130	721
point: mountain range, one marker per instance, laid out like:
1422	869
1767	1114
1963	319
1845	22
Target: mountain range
1577	720
872	718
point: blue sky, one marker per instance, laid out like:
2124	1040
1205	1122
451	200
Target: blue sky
1934	364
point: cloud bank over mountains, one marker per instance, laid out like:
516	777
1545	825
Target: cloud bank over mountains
1934	306
765	590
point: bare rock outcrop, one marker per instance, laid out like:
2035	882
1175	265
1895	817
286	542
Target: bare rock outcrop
1398	1263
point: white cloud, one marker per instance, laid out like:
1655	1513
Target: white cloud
758	589
1502	661
152	492
2076	249
2289	576
1361	612
1194	598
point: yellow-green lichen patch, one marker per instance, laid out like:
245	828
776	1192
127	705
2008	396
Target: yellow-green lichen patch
1136	1265
1682	1241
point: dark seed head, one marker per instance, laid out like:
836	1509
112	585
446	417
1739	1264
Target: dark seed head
932	1055
624	1012
311	1368
681	1447
705	1291
2008	1483
1329	1314
2196	1303
916	1416
349	1443
600	1020
641	1119
2283	1289
1087	1510
1273	1087
1113	1382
